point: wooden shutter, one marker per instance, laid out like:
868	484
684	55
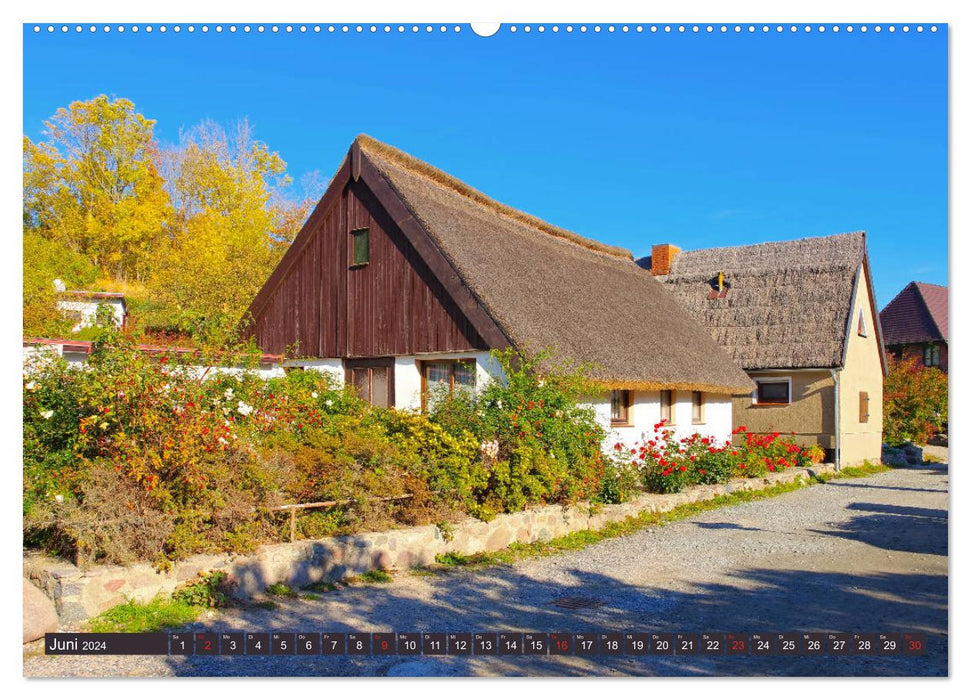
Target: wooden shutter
864	407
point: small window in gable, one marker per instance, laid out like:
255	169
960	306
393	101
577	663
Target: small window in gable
361	252
861	325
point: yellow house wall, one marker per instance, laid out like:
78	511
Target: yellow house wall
862	371
810	414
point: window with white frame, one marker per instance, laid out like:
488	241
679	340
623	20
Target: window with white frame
773	391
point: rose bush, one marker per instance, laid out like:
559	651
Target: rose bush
668	465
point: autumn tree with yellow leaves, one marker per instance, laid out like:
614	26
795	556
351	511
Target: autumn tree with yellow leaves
191	231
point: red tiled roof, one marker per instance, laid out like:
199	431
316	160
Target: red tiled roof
918	314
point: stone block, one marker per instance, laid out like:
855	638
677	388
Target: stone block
39	613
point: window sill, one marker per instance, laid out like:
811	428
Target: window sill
772	403
355	266
618	424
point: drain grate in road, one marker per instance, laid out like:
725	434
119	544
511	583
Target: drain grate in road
572	603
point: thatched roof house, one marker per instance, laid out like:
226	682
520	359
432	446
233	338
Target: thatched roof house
401	263
539	286
791	313
784	304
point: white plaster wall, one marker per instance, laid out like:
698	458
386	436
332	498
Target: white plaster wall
89	309
263	371
329	365
34	354
646	412
407	375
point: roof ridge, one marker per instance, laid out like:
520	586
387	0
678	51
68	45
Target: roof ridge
414	165
768	243
789	267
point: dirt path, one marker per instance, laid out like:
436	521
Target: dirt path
856	555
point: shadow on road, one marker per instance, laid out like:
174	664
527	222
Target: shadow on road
896	528
752	600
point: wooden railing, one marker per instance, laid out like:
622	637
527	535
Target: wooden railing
294	507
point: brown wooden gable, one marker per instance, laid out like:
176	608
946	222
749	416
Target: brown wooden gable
406	300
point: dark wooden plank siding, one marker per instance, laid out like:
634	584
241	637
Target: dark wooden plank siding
392	306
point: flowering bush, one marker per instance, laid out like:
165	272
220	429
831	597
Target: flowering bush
137	457
914	402
768	453
132	457
540	445
667	465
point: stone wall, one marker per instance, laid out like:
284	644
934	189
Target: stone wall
80	594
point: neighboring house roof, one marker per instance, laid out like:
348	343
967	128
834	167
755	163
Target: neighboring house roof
541	286
787	304
918	314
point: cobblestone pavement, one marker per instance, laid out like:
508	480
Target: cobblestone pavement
855	555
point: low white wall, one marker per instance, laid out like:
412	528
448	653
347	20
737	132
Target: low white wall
407	374
34	354
646	412
88	310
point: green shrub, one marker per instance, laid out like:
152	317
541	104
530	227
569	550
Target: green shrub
538	443
914	402
137	458
207	591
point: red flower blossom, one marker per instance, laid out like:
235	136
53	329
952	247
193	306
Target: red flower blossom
682	468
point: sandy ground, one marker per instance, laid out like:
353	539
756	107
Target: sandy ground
855	555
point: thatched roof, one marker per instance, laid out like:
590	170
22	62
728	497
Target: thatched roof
786	304
548	288
918	314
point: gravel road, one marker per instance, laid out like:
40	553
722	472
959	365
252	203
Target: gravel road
854	555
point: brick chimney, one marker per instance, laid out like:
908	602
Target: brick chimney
662	256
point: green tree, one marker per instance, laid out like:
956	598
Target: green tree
914	402
44	261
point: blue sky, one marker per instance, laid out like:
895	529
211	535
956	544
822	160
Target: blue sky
633	139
